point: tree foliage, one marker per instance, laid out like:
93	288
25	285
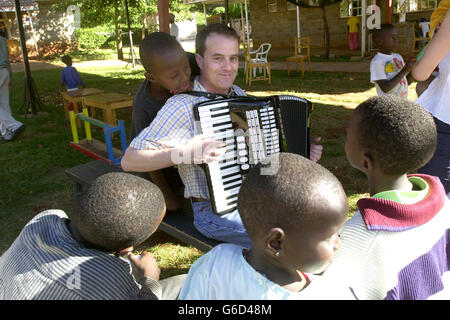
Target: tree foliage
101	12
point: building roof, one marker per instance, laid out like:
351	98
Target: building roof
25	5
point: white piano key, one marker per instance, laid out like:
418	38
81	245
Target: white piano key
228	163
234	183
202	113
224	134
228	171
210	125
231	192
213	106
233	177
206	120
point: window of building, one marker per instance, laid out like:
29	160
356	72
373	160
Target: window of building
271	5
414	5
348	7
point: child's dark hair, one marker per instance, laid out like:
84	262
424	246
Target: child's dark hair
288	198
399	134
118	210
156	43
66	59
218	28
377	33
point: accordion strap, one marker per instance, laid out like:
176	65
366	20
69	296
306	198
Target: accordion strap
209	95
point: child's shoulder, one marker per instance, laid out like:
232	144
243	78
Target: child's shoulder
225	250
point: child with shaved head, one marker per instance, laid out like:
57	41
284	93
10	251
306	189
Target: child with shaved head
396	246
57	258
292	217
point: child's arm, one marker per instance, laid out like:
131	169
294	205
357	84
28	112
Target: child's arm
421	86
388	85
436	51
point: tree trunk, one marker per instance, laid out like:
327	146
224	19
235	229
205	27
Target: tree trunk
326	33
118	33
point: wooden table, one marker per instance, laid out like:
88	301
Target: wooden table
108	103
76	98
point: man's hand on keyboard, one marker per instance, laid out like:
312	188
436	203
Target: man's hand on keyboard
199	149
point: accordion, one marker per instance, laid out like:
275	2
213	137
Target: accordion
252	128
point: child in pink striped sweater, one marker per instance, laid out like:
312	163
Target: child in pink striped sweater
395	246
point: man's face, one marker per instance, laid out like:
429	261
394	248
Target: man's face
219	64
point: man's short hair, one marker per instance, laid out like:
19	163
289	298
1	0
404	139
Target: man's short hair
287	198
156	43
118	210
400	134
217	28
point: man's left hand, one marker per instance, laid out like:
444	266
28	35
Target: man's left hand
315	151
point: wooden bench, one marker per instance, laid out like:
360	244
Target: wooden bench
177	224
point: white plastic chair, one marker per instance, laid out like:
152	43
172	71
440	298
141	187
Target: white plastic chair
261	56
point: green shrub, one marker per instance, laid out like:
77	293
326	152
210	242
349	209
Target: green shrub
93	38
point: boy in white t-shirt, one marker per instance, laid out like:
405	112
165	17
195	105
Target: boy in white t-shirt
292	217
388	71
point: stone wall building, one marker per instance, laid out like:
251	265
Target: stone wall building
275	21
50	30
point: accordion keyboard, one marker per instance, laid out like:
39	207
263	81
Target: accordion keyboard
252	129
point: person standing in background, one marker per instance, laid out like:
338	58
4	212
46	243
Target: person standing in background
10	128
353	31
173	27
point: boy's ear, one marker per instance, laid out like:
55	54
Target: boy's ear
274	242
368	163
149	77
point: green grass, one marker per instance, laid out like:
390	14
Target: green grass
33	179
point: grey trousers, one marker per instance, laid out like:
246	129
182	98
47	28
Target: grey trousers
7	122
439	165
171	286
